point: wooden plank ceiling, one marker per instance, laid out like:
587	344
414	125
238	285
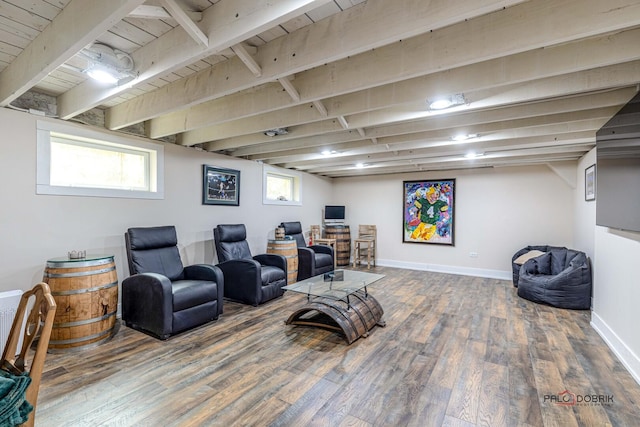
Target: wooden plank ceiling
347	80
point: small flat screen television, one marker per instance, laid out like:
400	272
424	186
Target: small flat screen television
334	212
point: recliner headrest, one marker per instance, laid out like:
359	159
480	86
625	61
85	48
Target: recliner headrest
232	232
143	238
292	227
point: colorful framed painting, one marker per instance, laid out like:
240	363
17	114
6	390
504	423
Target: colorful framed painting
220	186
428	211
590	183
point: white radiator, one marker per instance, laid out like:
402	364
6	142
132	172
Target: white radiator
9	301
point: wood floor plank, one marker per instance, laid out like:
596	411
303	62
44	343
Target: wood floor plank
524	406
456	351
465	395
551	383
493	408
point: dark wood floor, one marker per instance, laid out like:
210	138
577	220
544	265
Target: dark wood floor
456	351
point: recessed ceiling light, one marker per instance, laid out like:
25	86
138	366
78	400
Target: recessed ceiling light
108	65
360	165
473	155
328	152
276	131
440	104
444	102
102	75
463	137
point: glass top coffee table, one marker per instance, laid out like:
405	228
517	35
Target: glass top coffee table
339	301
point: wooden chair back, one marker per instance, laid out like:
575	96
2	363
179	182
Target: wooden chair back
367	232
38	321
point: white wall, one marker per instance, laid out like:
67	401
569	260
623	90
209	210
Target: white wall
616	283
497	212
34	228
585	213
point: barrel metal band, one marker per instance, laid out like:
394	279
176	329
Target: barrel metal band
84	290
84	322
87	338
80	273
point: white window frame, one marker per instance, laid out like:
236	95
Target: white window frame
296	177
110	141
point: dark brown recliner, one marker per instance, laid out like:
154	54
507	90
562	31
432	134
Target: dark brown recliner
312	260
161	297
249	279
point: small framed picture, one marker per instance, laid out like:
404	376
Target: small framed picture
220	186
590	183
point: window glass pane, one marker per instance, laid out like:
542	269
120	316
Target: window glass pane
74	160
279	187
82	164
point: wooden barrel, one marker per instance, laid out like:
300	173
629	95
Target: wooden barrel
86	294
354	319
343	242
288	249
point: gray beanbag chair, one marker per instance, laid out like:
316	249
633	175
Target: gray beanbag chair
524	254
560	278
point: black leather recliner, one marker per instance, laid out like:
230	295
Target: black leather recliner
249	279
312	260
161	297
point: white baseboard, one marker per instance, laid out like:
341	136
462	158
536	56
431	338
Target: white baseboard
451	269
627	357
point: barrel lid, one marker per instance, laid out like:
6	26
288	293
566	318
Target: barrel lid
89	257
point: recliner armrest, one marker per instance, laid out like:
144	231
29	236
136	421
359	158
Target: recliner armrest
306	254
273	260
322	249
243	279
203	272
147	301
208	272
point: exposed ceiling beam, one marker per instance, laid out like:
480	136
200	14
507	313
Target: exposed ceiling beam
308	130
485	74
497	158
550	126
228	23
242	50
552	87
548	62
343	122
329	133
291	90
309	163
321	108
80	23
185	22
158	12
557	126
363	27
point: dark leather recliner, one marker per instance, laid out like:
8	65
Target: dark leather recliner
312	260
249	279
161	297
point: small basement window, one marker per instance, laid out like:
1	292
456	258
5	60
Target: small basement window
84	162
281	186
